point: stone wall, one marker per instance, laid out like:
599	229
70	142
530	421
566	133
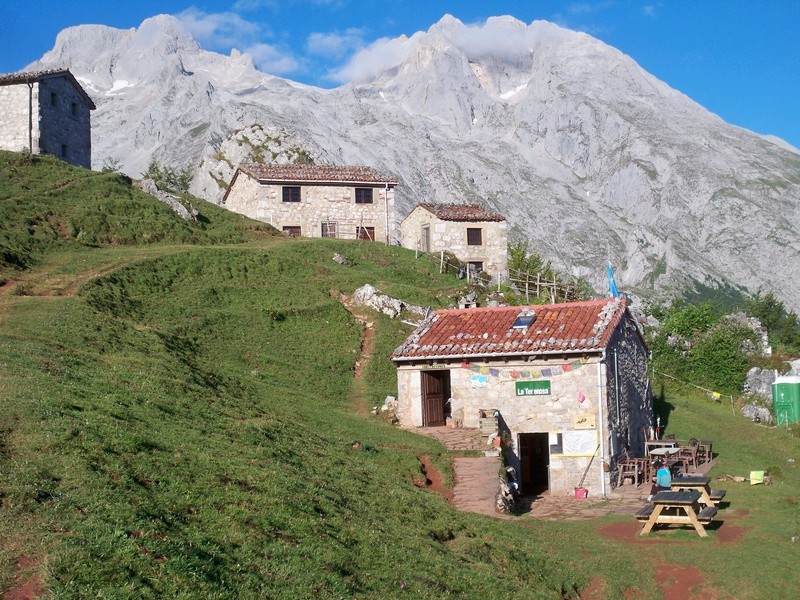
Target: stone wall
319	204
14	124
575	388
630	399
65	129
61	120
452	236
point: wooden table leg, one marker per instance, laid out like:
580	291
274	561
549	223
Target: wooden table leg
648	526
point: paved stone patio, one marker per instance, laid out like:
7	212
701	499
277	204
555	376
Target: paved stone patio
477	482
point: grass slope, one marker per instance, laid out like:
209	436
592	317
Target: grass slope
183	426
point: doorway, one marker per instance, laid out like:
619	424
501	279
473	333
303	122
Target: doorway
534	462
435	398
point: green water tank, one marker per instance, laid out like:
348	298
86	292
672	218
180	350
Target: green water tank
786	399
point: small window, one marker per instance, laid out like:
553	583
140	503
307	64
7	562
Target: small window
365	233
556	443
73	109
524	320
63	151
53	99
291	193
474	236
292	230
363	195
475	266
329	229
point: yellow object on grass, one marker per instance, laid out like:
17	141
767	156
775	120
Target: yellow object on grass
756	477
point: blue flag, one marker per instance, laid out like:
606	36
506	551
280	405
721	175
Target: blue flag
612	285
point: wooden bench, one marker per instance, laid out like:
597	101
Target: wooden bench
643	514
707	514
717	495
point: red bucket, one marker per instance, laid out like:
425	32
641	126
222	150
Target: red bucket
581	493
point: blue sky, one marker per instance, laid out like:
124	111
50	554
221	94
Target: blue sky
740	59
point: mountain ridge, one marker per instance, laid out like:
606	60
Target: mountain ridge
587	155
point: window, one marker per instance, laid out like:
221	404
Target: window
73	109
363	195
63	151
53	99
475	266
474	236
329	229
365	233
291	193
292	230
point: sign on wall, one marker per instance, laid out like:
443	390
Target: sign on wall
533	388
584	421
580	443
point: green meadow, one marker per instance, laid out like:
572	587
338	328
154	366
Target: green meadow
178	410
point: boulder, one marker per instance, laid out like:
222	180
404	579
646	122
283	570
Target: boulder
759	383
757	414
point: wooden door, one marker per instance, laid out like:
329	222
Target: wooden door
435	396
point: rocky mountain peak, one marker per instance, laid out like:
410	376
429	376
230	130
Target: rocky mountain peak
588	156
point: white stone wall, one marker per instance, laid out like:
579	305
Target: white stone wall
575	390
14	124
318	204
452	236
62	133
56	130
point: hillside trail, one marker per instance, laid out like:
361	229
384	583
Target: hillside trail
359	389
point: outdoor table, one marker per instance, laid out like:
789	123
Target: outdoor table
664	451
682	508
694	483
651	445
698	483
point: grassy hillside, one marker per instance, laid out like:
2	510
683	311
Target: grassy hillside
181	424
47	205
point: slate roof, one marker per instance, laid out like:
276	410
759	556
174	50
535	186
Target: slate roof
316	174
573	327
36	76
462	212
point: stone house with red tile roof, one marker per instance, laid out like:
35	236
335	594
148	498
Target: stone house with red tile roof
316	200
567	382
46	112
474	234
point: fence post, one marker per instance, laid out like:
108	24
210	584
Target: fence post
441	262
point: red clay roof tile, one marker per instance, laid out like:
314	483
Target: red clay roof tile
462	212
318	174
476	332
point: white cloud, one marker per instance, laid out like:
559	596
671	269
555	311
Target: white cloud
272	60
379	56
218	30
335	45
649	10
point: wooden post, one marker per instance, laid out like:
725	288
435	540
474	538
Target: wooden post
441	262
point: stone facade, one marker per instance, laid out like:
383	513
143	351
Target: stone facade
437	227
590	407
46	112
342	202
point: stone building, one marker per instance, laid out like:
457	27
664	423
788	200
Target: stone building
567	384
316	201
472	233
46	112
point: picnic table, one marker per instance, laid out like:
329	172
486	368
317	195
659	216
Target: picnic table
681	508
698	483
650	445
